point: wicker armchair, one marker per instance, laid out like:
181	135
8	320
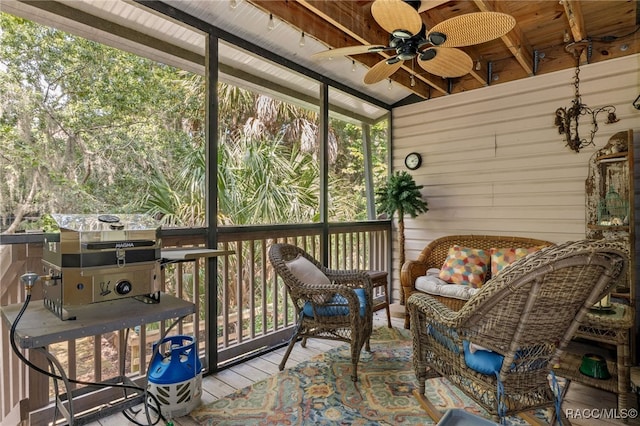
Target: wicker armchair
338	309
528	314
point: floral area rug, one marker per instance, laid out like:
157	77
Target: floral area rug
320	391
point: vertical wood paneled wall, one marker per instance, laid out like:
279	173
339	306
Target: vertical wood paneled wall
494	163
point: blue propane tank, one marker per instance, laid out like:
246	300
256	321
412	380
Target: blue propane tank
175	376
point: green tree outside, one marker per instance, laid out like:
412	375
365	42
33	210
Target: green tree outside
86	128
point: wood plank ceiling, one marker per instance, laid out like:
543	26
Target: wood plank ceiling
535	46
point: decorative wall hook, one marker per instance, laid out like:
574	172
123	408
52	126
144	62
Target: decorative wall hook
567	118
636	103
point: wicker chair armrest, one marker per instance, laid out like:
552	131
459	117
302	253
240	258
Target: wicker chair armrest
354	279
308	290
350	278
434	311
410	271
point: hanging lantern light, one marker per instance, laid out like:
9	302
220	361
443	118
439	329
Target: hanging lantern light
567	118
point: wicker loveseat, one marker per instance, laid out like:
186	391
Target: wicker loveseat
434	255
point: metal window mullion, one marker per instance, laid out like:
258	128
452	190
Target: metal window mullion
196	300
179	272
324	171
211	201
368	171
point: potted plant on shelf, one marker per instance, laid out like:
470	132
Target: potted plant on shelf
400	195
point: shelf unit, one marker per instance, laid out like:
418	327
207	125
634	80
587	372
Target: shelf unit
611	330
611	172
610	208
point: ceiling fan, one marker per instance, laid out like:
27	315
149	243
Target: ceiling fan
409	38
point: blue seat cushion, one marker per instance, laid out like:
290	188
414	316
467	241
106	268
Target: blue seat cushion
485	362
336	306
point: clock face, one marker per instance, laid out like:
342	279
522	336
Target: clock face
413	161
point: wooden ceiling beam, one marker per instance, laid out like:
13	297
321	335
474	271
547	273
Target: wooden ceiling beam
573	12
515	40
430	4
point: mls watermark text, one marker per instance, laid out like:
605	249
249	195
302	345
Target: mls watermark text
601	413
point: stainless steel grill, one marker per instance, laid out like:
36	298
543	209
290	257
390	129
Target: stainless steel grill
95	258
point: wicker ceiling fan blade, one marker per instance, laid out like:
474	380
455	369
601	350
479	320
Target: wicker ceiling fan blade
471	28
395	15
445	62
349	50
380	71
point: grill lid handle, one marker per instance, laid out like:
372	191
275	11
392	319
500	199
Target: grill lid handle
118	244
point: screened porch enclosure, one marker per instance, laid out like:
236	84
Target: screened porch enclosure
336	144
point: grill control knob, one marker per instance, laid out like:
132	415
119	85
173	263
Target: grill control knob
124	287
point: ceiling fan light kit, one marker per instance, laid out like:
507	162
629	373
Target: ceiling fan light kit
402	34
436	50
437	38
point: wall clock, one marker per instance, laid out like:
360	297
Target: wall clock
413	161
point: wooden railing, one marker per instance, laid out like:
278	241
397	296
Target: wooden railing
253	312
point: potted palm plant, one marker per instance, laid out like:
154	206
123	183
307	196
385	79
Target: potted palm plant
400	195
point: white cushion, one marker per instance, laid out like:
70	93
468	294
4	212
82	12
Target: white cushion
431	284
306	271
473	348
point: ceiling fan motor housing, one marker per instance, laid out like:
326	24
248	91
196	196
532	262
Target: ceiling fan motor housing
414	3
407	51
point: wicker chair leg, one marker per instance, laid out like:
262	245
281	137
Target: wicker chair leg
356	348
289	348
421	385
564	421
294	338
354	373
557	418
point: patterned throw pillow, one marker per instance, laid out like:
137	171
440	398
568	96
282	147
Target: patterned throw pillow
465	265
502	257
